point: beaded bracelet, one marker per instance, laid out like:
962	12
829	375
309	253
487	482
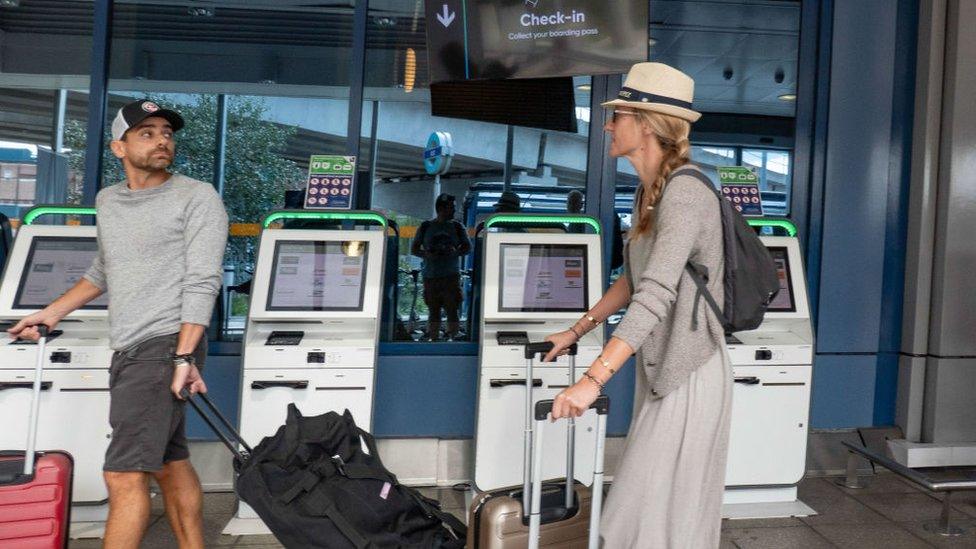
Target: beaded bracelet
575	333
594	380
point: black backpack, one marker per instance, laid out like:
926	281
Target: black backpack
318	483
751	281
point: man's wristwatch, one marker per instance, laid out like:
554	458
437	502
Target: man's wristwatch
180	360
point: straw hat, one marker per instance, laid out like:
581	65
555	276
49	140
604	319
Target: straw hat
659	88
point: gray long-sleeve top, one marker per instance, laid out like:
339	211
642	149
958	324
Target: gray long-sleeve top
673	336
160	257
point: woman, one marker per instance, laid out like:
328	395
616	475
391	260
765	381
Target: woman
667	490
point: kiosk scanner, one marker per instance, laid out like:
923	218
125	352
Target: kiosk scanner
312	327
533	284
772	366
45	262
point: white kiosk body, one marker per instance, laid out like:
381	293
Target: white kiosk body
773	367
311	335
45	262
539	284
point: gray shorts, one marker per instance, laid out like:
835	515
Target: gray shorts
148	422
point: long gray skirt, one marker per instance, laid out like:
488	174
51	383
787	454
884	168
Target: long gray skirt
667	490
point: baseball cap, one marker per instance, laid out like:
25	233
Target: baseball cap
137	111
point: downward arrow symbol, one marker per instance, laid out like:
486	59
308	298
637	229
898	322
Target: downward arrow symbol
447	17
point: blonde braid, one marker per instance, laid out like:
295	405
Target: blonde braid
672	135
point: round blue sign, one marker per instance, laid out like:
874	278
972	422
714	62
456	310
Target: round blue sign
438	153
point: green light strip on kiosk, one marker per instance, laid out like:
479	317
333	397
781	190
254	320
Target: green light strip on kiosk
334	216
538	219
34	213
784	224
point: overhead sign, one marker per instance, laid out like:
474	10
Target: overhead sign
331	182
438	153
740	185
489	39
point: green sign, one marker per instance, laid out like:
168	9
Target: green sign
740	185
331	182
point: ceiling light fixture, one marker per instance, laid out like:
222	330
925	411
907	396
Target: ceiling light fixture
409	70
788	97
9	3
200	12
584	87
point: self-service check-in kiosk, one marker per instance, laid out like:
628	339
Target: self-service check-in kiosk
533	285
45	262
312	326
772	366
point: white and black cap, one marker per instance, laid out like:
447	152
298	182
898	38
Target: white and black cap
133	113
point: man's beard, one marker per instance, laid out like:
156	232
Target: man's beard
153	163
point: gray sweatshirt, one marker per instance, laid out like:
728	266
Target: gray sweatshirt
160	256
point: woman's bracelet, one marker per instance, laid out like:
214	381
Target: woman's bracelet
592	320
606	364
594	380
575	333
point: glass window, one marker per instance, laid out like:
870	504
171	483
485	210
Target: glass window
285	86
46	53
545	166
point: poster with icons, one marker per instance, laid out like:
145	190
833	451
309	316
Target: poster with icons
740	185
331	182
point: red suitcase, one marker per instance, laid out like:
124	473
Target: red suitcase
35	491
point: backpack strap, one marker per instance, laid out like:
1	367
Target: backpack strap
699	273
701	282
432	510
317	503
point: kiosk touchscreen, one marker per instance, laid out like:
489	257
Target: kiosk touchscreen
312	332
772	366
534	284
44	263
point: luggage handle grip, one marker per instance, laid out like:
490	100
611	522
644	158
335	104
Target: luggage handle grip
544	407
227	439
496	383
543	347
267	384
749	380
45	385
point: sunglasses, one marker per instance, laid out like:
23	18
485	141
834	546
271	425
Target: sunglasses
619	112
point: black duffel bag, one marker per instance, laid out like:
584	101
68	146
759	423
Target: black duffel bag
315	485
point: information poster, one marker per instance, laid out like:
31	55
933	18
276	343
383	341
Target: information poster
741	186
331	182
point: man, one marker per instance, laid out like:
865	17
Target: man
161	241
440	242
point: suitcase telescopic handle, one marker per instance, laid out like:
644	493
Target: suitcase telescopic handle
38	386
544	407
226	433
542	410
542	347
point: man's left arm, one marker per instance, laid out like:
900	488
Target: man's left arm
205	237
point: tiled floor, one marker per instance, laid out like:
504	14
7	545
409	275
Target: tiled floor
888	514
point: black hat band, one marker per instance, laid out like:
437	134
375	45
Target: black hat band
630	94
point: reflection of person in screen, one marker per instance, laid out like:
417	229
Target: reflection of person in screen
668	488
161	241
441	242
574	205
